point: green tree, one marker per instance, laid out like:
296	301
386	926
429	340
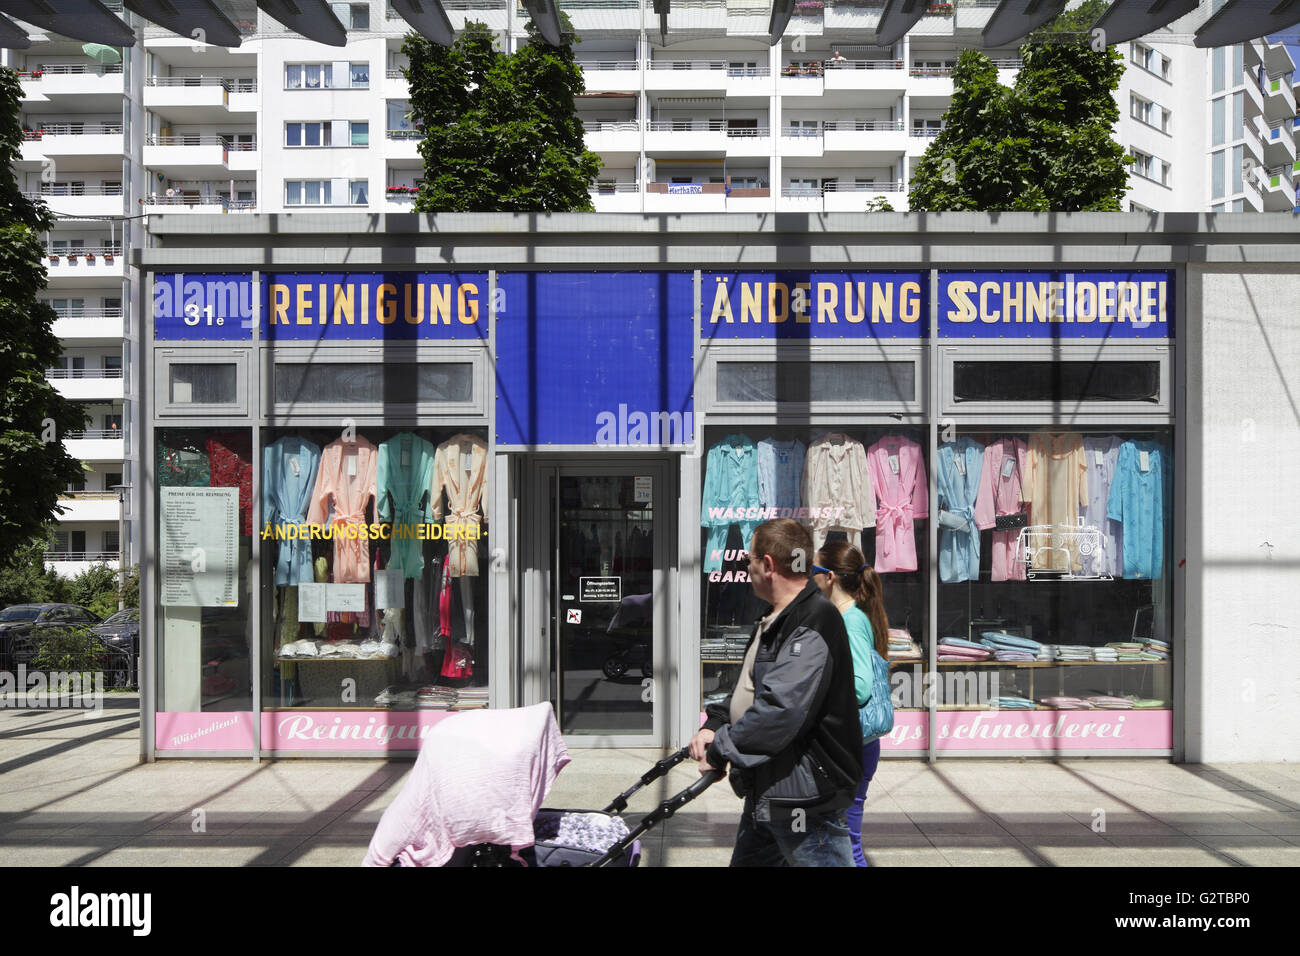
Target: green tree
501	131
34	417
1043	145
26	579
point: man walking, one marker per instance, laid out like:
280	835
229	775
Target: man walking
790	727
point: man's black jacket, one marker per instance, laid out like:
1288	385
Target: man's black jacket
800	743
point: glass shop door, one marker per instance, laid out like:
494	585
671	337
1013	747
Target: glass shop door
600	600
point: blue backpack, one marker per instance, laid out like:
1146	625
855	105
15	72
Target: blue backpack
877	714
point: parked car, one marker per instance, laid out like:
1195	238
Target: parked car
122	631
19	622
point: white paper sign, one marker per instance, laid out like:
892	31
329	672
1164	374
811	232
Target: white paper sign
199	533
642	489
311	602
389	588
345	597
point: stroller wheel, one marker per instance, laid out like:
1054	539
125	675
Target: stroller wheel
614	667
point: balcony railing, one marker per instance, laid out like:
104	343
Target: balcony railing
613	126
687	64
72	69
794	192
608	64
88	496
686	126
153	139
930	71
83	373
925	133
846	64
92	556
95	433
230	205
88	252
82	129
404	134
89	314
750	132
466	5
226	83
609	189
47	191
863	125
395	75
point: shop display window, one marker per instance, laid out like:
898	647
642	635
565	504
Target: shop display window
1055	586
867	484
203	501
374	564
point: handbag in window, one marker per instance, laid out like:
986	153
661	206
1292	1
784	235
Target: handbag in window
1011	522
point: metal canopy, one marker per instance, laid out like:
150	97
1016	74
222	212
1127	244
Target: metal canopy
1016	19
79	19
897	18
12	36
1126	20
428	18
312	19
184	17
1240	20
546	17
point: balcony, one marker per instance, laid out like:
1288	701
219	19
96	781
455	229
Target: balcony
616	138
77	146
616	197
799	141
929	87
802	79
402	148
95	87
86	265
73	201
198	156
687	76
86	326
1277	188
865	75
686	136
841	197
610	76
68	564
852	14
696	15
686	197
919	139
749	141
99	444
1279	98
396	86
400	198
87	384
198	204
872	142
1278	140
972	14
750	81
90	506
199	99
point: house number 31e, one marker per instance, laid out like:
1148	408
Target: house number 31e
194	315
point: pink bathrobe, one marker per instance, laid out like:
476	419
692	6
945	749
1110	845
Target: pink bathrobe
900	499
480	778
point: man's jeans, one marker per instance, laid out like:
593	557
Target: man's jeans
800	839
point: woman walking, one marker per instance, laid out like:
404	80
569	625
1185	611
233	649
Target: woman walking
856	591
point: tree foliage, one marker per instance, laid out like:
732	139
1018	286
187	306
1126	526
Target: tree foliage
34	417
1042	145
501	132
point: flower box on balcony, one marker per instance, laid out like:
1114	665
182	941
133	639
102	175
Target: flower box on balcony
89	257
108	257
53	257
939	9
403	190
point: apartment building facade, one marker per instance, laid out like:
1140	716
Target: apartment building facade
705	117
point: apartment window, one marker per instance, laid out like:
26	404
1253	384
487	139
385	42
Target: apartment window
112	363
359	76
111	305
112	188
354	16
1238	156
1149	60
921	125
742	68
307	134
65	306
308	76
307	192
360	133
1238	67
1238	100
1217	121
1216	175
863	183
1216	69
804	127
111	541
359	192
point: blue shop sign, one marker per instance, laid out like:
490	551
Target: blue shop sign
1056	305
815	305
203	307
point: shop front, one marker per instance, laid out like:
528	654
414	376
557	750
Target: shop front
380	495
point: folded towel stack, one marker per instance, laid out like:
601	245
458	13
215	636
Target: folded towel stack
960	649
1105	702
1107	655
902	647
1155	650
1013	703
1015	657
1046	653
1066	703
1073	652
1140	703
1002	641
1127	650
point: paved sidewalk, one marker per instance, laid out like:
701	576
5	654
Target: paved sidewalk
72	792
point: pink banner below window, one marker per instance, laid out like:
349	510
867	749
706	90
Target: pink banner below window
1046	731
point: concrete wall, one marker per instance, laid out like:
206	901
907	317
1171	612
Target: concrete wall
1242	696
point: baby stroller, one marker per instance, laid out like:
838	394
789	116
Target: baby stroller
474	799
